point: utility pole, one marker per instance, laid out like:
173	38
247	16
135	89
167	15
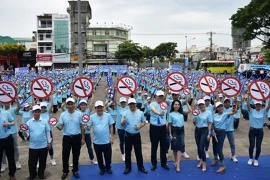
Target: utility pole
211	45
80	39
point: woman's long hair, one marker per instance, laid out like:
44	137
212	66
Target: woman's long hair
180	110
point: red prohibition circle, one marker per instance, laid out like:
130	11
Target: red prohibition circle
41	87
85	118
23	127
5	93
224	82
53	121
74	86
186	91
172	74
196	112
254	97
204	77
121	80
163	105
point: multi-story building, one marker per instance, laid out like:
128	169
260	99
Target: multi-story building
86	15
103	41
237	43
266	38
53	40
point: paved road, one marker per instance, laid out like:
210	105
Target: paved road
55	172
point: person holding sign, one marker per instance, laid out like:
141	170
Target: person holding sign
221	119
257	118
102	124
26	114
39	143
133	120
70	122
6	142
158	131
203	123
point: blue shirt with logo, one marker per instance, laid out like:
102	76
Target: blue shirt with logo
133	119
71	122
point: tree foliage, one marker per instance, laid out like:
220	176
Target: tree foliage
8	49
267	55
255	19
167	50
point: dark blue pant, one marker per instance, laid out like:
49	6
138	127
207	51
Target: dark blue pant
201	139
255	136
88	142
218	146
121	134
245	114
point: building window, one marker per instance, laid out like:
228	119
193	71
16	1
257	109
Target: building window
117	33
48	36
41	37
107	32
41	50
48	48
94	32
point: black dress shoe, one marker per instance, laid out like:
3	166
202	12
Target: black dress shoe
42	177
76	175
127	170
165	166
64	175
102	171
143	170
109	171
153	167
31	178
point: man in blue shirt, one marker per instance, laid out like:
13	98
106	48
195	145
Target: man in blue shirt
71	123
133	120
6	142
102	124
39	143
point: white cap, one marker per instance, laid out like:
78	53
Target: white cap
145	94
218	104
131	100
159	93
83	101
220	95
201	101
139	91
70	100
257	102
122	99
174	92
99	103
19	95
36	107
26	105
206	98
148	98
43	104
227	99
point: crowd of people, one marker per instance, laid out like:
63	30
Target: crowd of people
217	119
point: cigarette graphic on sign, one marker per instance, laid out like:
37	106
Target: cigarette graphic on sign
39	89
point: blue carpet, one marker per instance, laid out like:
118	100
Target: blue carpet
236	171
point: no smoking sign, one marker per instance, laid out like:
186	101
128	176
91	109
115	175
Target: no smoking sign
163	105
53	121
230	86
85	118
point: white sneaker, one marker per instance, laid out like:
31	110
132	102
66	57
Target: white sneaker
18	165
94	162
218	157
206	154
71	165
250	161
167	155
37	164
3	168
53	163
185	155
198	157
233	158
256	163
123	157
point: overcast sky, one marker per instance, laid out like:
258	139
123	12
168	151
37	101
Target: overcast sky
177	18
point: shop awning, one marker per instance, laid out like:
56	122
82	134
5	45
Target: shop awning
43	64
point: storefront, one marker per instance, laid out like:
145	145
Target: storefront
27	57
13	59
44	60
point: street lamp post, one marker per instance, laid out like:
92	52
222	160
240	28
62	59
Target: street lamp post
188	41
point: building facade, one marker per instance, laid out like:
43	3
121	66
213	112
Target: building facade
86	15
237	43
102	43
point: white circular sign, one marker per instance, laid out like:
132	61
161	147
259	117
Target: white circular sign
42	88
176	81
126	85
82	87
208	84
259	90
230	86
8	92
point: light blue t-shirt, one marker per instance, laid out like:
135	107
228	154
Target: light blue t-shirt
203	119
156	119
139	98
12	111
176	119
244	105
119	115
230	126
101	127
221	120
71	122
133	119
257	118
210	108
46	116
237	114
4	117
26	116
113	113
37	130
146	107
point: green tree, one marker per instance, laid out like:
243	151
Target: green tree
255	19
148	53
8	49
267	55
167	50
129	51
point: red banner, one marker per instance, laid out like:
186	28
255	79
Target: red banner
44	58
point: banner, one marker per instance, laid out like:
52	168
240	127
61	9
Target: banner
244	67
